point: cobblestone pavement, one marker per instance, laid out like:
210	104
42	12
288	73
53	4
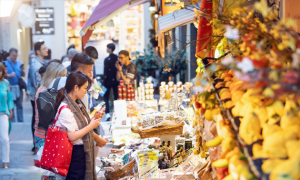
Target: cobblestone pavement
21	158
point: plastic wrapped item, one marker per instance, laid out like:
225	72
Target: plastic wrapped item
214	154
207	135
173	102
148	121
39	153
146	157
44	172
158	118
100	175
167	123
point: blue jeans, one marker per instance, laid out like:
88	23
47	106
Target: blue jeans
18	102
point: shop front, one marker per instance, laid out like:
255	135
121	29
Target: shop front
126	29
238	120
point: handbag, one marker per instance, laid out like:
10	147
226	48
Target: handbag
57	151
21	82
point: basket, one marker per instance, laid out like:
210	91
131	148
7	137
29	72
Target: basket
121	172
161	131
134	130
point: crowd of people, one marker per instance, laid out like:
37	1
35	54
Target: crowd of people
74	78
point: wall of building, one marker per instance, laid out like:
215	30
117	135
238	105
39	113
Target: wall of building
14	30
13	35
57	42
5	33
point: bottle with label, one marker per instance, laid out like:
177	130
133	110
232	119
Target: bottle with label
188	144
169	152
168	94
163	144
160	149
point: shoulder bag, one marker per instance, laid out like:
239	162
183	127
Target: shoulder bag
21	82
57	152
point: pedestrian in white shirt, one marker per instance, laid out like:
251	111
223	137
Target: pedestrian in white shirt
79	126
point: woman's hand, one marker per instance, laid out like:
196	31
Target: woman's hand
95	122
100	141
98	115
11	115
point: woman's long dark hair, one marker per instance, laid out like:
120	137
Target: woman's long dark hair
74	78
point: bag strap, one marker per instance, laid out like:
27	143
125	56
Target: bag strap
55	85
61	108
13	68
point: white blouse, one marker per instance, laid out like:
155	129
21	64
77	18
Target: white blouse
66	119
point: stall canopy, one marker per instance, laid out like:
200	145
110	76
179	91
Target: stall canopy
175	19
105	11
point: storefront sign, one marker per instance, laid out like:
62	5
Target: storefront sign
44	21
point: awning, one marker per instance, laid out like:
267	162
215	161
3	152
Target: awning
175	19
105	11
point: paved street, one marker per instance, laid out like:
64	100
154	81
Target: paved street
21	158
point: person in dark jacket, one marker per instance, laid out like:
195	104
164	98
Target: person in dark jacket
110	79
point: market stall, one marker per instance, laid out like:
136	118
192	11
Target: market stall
242	122
153	140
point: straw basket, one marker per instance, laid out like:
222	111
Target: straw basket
134	130
121	172
161	131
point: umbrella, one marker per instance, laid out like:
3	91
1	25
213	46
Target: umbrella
105	11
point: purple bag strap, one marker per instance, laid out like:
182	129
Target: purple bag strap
61	108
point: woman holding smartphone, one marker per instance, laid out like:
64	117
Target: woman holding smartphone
79	126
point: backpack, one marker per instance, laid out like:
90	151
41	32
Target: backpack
46	106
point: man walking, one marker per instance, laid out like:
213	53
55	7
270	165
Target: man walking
35	78
110	80
15	70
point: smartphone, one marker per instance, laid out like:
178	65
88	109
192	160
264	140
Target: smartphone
22	65
98	114
102	109
99	106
